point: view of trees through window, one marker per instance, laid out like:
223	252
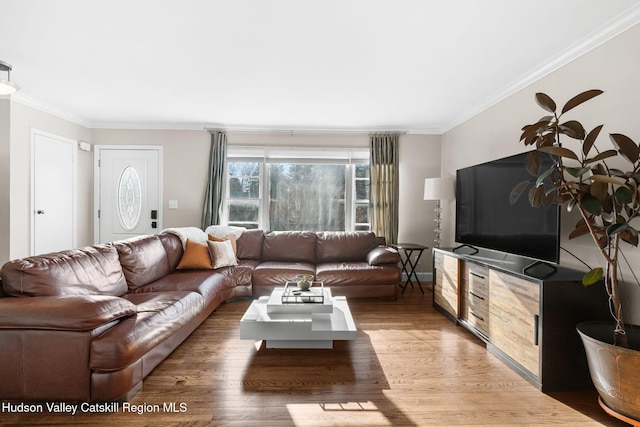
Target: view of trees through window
298	195
307	197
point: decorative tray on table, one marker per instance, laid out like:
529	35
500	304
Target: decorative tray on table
294	295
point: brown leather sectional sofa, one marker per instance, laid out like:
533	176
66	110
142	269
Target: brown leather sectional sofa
89	324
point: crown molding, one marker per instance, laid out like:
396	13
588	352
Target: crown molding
613	28
263	129
49	109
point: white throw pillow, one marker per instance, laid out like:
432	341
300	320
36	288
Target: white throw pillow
222	254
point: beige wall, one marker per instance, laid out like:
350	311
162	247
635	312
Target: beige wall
22	120
419	159
185	159
611	67
5	200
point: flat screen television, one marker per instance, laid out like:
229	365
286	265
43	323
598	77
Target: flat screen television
486	219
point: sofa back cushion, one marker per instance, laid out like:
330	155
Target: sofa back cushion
173	247
345	246
289	246
143	259
93	270
249	245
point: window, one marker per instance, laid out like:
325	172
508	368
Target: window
243	189
298	189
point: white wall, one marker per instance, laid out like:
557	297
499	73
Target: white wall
495	133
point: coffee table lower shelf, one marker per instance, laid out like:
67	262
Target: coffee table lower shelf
301	330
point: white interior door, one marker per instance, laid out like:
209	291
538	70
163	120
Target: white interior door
53	193
129	185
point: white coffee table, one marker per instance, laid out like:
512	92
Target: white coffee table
298	326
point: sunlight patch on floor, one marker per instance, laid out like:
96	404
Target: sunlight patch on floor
338	413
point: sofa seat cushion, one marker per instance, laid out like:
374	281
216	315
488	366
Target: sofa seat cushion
356	274
93	270
274	273
159	316
205	282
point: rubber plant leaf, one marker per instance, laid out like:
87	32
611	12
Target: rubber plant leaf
607	180
593	276
616	228
602	156
599	190
517	191
573	129
532	163
546	102
591	204
591	139
580	98
579	231
559	151
546	174
626	146
624	195
536	196
577	172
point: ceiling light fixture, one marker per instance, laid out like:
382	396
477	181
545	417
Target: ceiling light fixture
6	86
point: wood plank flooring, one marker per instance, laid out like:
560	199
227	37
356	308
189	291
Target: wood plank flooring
409	366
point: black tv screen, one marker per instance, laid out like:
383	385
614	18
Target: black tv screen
486	219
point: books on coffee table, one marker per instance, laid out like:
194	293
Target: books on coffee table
290	299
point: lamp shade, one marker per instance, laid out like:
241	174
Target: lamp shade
438	189
7	87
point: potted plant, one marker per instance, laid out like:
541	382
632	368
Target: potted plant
608	199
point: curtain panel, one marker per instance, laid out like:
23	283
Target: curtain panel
385	185
214	196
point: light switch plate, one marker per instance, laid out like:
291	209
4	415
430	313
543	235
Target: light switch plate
173	204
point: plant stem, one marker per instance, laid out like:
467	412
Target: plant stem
610	280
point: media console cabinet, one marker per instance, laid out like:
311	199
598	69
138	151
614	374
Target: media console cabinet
527	322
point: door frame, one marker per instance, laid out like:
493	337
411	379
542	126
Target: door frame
74	185
96	182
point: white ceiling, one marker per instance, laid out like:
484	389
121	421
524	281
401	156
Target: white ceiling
419	66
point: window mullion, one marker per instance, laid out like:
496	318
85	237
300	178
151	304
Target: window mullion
349	199
265	191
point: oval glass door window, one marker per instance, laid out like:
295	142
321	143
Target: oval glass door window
129	198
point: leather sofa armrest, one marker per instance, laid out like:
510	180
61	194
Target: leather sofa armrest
383	255
69	313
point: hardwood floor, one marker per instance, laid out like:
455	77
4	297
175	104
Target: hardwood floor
409	366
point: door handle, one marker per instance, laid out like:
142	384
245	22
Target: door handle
40	212
154	214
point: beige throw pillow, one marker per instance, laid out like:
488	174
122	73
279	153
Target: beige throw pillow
230	238
222	254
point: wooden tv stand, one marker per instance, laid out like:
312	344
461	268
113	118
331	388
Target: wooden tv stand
527	322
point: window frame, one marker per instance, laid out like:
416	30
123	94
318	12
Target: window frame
297	155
